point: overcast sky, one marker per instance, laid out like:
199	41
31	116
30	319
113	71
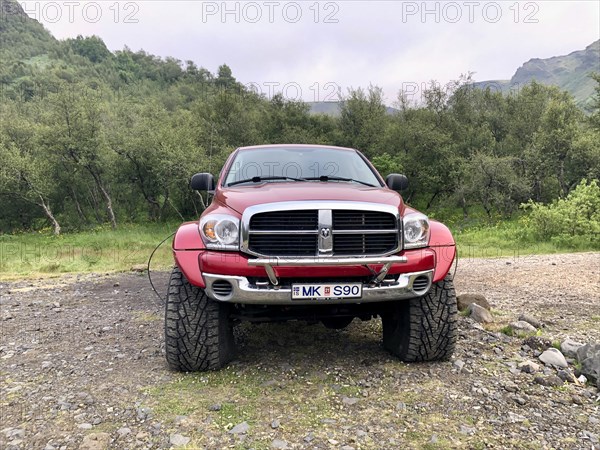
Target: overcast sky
313	48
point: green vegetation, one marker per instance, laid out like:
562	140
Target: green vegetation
98	250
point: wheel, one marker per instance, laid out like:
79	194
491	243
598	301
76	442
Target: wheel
337	323
198	332
423	328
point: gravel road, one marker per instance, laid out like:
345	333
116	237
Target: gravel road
82	366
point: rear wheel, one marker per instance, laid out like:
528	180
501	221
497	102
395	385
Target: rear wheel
198	332
423	328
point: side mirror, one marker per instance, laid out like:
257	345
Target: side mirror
203	182
396	182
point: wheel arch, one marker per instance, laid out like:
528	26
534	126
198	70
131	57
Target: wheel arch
442	243
187	249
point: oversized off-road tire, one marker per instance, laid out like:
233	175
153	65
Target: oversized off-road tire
198	331
423	328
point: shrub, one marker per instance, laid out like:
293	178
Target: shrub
569	220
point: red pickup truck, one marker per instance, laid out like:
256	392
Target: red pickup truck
308	232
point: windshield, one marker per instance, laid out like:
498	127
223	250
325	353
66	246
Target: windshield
281	164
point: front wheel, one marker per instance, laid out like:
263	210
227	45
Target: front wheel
198	332
423	328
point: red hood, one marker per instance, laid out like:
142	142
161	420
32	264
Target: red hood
239	198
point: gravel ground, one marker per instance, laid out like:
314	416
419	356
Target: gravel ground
82	366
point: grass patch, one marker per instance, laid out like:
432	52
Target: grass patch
507	239
507	330
99	250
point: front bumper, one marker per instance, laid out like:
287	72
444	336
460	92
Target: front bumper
242	291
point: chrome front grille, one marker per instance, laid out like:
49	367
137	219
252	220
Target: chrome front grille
321	229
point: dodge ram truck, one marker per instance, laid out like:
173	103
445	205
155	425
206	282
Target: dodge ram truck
311	233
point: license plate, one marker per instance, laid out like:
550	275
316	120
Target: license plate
326	291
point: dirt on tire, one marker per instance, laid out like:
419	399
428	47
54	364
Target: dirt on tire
82	365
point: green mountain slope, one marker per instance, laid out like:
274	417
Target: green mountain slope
569	72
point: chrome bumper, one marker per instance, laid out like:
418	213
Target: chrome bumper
243	292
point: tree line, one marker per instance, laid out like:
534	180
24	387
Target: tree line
89	137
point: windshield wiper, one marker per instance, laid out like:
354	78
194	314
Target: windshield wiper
261	179
334	178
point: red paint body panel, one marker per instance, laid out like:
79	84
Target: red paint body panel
440	235
445	258
188	262
442	242
188	237
240	198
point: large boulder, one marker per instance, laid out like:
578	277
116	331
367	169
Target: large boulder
589	358
464	300
479	313
553	357
569	347
521	326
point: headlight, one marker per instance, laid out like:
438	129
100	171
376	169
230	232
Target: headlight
416	230
220	231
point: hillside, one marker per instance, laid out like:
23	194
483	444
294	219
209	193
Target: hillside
569	72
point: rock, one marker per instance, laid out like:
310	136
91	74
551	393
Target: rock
275	424
14	433
467	430
459	364
522	327
280	444
529	367
123	431
215	407
309	437
566	375
531	320
178	440
537	343
464	300
95	441
515	418
510	386
240	428
582	379
180	419
550	381
479	313
589	357
349	401
46	365
143	413
554	357
85	426
569	347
